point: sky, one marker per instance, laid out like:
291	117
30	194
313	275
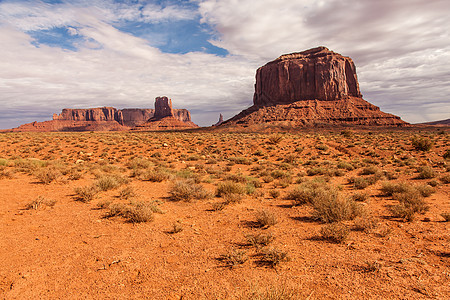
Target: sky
203	54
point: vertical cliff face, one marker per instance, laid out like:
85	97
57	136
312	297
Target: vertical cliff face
91	114
163	108
313	87
313	74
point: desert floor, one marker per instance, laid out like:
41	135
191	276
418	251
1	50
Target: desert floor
343	214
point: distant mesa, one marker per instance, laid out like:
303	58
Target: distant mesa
437	123
112	119
313	87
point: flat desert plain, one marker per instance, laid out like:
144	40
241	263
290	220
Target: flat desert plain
330	214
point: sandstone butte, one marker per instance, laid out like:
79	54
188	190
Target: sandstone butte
165	118
310	88
111	119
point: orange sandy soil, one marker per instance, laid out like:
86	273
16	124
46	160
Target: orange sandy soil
71	250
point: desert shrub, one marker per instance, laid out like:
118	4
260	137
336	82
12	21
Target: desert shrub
237	178
274	193
127	193
445	178
260	239
176	227
40	202
365	223
389	188
275	139
234	257
217	206
446	216
267	178
424	189
360	196
446	154
4	162
335	232
229	187
139	163
266	218
411	202
47	175
369	170
308	191
240	160
103	204
322	147
86	193
345	165
155	175
138	212
274	257
426	172
422	143
330	209
187	190
277	174
109	182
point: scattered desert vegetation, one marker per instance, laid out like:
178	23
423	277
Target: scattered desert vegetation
346	208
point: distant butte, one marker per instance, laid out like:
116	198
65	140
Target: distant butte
310	88
112	119
165	118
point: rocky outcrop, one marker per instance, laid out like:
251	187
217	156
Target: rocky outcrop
112	119
220	120
90	114
317	86
165	118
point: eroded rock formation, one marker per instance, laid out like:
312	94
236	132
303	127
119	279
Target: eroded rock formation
109	118
166	118
317	86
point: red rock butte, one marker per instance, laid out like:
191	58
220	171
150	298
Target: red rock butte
316	86
112	119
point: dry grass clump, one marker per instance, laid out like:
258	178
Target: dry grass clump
411	202
187	190
335	232
445	179
134	212
365	223
109	182
274	193
275	139
426	172
47	175
273	256
229	187
234	257
330	208
422	143
40	202
307	191
86	193
265	218
260	239
127	193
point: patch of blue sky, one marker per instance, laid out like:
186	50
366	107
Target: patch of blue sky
179	37
62	37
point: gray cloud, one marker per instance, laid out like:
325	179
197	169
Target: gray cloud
400	48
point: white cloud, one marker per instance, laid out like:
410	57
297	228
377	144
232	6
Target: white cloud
400	48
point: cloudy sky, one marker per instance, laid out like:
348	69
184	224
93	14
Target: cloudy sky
203	54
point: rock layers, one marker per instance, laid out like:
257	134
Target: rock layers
110	119
166	118
317	86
